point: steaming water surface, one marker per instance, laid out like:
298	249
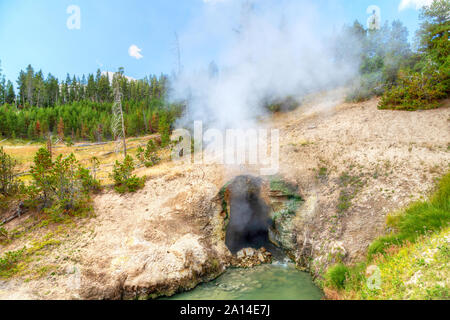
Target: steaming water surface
277	281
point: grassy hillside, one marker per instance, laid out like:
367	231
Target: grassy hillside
409	263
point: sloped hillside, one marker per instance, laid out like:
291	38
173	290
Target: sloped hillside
352	164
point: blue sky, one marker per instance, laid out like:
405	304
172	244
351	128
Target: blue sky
35	32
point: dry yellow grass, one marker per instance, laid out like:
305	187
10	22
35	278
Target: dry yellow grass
105	153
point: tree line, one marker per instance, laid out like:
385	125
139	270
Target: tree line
80	109
406	76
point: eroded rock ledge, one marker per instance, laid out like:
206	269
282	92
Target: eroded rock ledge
145	249
184	244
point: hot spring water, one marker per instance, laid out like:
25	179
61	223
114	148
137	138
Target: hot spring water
277	281
248	227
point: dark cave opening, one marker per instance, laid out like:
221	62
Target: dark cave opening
249	222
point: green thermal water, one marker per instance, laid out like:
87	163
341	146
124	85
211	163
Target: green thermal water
277	281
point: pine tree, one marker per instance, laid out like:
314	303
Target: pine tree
39	89
433	35
10	94
164	130
22	84
91	88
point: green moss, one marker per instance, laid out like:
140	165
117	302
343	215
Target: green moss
294	200
10	262
14	262
287	189
224	203
289	209
222	196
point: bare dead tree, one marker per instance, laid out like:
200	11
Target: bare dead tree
117	123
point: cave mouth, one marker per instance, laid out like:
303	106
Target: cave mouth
249	220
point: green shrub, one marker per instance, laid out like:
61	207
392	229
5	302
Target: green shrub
8	183
323	172
67	186
41	172
134	183
344	201
122	170
415	91
281	105
62	184
337	275
124	180
356	276
88	182
148	157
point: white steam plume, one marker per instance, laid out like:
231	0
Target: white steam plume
268	50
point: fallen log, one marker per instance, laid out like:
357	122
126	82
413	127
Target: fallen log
20	210
26	173
112	152
90	144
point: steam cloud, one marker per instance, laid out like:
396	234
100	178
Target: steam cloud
267	50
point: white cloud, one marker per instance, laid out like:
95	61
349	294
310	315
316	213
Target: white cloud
415	4
111	74
135	52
